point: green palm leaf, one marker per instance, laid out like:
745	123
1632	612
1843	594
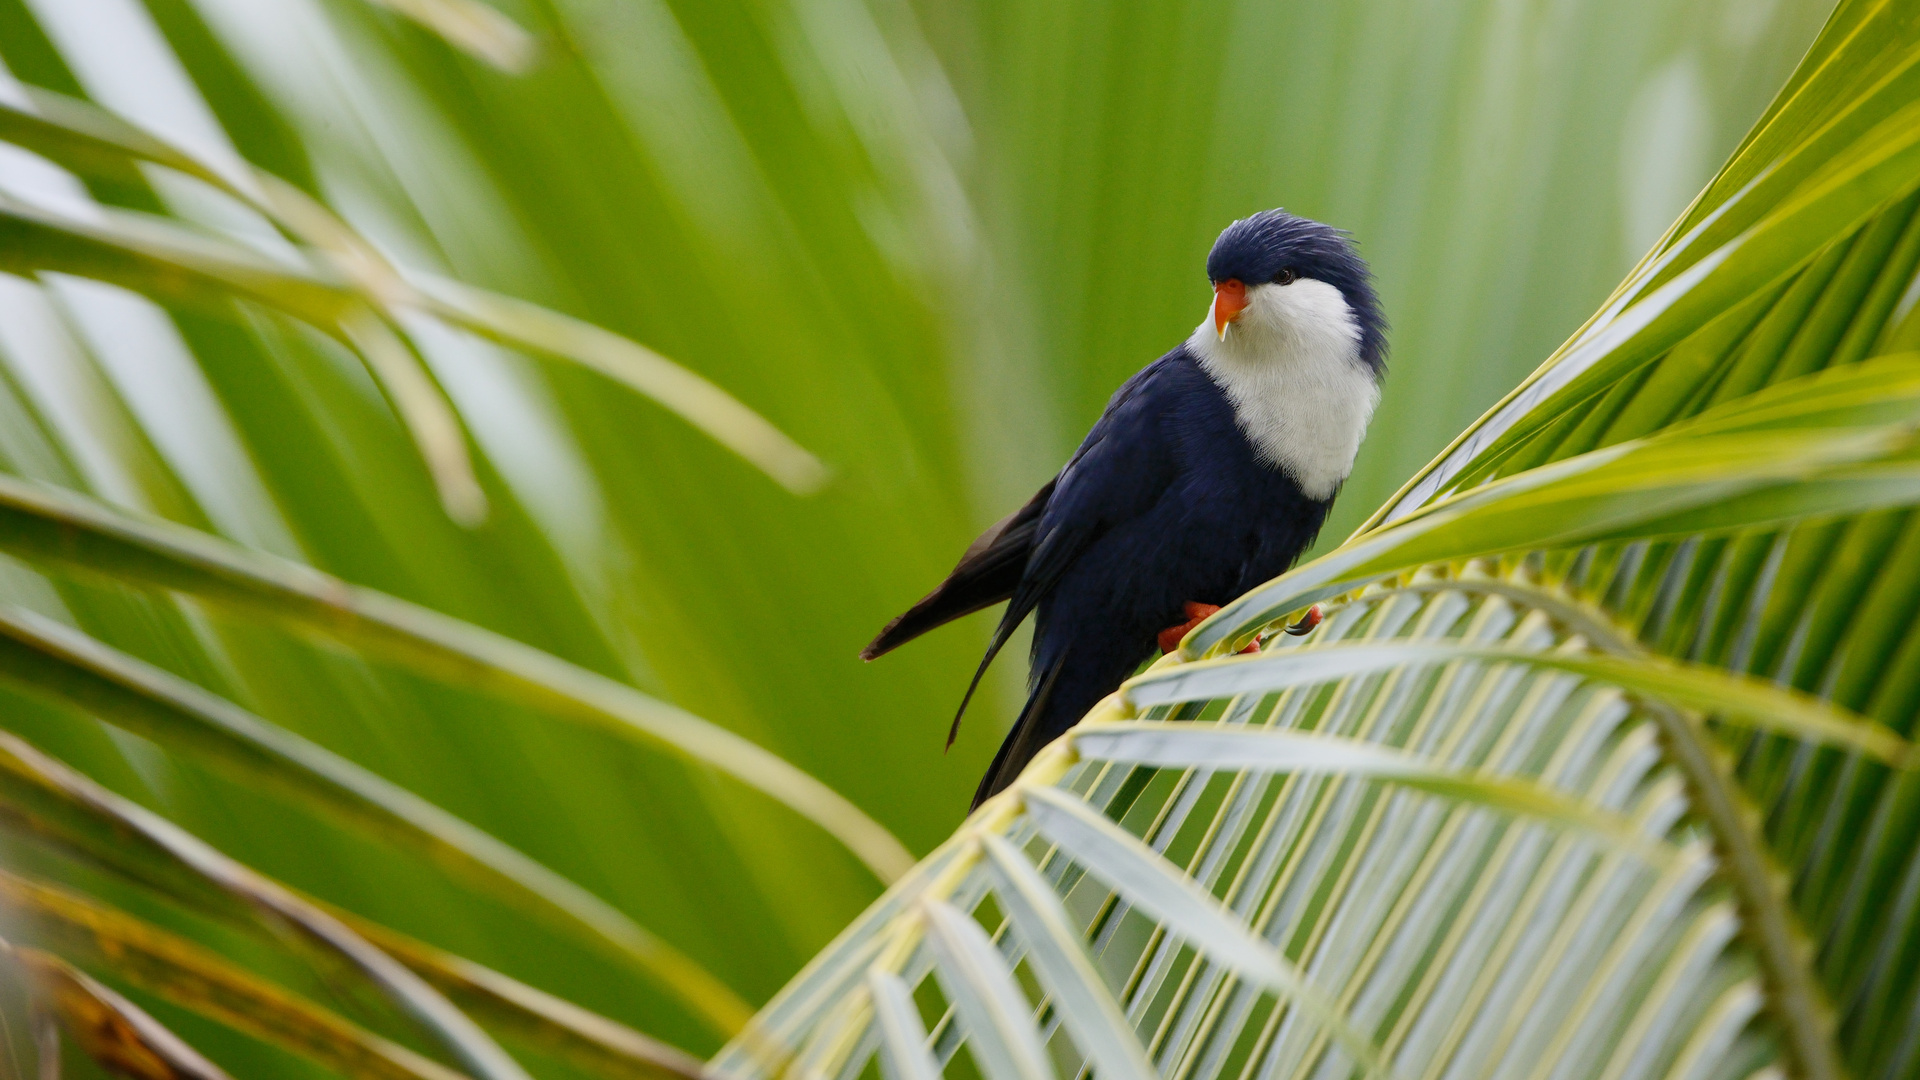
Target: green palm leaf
1717	468
352	279
1278	850
67	530
1521	807
57	660
188	975
473	27
109	1028
43	797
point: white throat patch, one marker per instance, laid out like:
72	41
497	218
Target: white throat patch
1291	366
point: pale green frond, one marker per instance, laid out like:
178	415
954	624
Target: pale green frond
139	253
1418	918
541	332
143	955
1820	173
1207	746
1085	1006
94	142
532	1017
108	1028
1796	997
981	985
37	802
189	975
86	537
1158	888
1883	390
903	1037
45	799
1738	699
428	415
161	259
834	970
1710	483
472	27
53	659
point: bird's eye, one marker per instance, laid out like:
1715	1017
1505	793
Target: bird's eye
1285	276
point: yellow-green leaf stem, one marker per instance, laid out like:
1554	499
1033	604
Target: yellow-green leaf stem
425	411
1736	698
1798	1003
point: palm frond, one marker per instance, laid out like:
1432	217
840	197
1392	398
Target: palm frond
337	283
197	979
1664	589
75	533
43	797
57	660
472	27
110	1029
1490	823
1379	893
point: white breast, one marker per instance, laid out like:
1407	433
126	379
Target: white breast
1291	366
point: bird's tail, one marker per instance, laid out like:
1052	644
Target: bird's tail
1029	733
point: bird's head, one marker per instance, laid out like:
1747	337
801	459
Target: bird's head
1282	278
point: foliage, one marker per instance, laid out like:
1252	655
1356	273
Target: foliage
1600	765
243	342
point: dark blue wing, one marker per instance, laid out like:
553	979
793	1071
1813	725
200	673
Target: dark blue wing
1120	471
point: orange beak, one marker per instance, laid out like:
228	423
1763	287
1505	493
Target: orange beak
1229	300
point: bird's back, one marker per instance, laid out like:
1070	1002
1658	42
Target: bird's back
1166	502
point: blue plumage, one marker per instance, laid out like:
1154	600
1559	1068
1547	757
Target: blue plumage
1257	248
1210	471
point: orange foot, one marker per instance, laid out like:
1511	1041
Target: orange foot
1196	614
1307	622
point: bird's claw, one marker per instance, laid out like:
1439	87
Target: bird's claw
1196	614
1307	622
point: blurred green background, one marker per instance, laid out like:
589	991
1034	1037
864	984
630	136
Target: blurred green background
927	240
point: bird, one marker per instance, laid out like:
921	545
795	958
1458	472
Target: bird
1210	471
